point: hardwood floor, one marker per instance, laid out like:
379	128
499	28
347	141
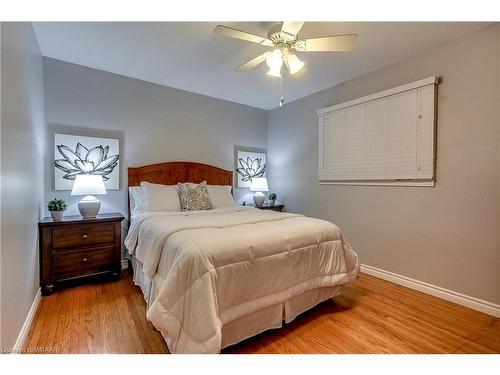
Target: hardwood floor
108	317
371	316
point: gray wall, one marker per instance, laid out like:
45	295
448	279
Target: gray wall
22	154
154	123
446	235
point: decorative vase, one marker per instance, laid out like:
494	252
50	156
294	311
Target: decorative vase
272	201
57	215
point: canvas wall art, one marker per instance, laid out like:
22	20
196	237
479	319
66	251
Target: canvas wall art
76	155
250	162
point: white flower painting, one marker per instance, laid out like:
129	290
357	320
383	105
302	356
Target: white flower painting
250	163
76	155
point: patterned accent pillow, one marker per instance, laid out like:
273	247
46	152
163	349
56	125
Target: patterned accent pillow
194	197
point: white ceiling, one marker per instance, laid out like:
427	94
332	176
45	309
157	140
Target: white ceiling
188	56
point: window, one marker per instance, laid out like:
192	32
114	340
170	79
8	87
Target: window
387	138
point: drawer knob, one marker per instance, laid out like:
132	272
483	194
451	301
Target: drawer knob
84	259
85	236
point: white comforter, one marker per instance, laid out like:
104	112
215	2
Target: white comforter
229	262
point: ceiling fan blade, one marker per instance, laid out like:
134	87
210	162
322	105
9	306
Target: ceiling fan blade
292	28
332	43
252	63
238	34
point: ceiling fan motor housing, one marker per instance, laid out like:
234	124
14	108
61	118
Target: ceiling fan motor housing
279	37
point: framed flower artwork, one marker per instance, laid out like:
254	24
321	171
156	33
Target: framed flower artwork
76	155
249	162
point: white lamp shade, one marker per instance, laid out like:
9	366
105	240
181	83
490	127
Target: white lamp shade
259	184
294	64
274	61
88	184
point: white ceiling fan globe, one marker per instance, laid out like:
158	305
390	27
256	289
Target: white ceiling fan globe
275	61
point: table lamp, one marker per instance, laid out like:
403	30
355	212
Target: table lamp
259	184
88	185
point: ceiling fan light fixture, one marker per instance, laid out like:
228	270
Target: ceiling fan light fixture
275	61
274	73
293	63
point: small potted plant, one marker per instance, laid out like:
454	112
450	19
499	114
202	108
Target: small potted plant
56	208
272	198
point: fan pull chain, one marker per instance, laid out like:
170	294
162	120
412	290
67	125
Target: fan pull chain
282	99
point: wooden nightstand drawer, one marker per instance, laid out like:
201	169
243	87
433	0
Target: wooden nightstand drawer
82	262
77	248
81	236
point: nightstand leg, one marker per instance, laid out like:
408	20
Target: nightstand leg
116	274
47	290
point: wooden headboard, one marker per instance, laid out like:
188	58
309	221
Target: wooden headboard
178	171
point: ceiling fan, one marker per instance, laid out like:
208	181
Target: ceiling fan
283	38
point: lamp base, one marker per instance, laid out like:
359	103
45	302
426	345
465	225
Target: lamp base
89	207
259	198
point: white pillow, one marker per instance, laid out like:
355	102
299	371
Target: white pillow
136	199
160	197
220	195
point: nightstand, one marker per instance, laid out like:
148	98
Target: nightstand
276	207
74	249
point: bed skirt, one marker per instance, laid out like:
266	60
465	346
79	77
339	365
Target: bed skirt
248	325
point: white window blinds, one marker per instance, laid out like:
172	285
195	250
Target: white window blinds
384	138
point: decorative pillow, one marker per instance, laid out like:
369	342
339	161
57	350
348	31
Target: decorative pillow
220	195
194	197
159	197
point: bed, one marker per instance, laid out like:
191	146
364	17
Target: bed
216	277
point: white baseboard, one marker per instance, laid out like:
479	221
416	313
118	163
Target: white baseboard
23	335
124	264
486	307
